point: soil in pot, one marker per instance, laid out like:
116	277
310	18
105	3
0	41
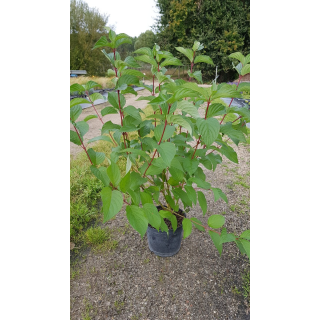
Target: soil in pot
163	244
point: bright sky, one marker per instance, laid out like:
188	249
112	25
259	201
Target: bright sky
128	16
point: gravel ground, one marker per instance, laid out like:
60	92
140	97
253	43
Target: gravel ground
130	282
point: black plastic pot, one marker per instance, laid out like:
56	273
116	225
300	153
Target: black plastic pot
164	245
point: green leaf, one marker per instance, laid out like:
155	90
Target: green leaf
196	46
247	59
226	91
196	75
132	72
109	126
91	116
101	174
233	134
102	42
111	73
188	108
125	183
108	110
196	224
202	58
163	226
135	196
194	87
152	215
76	88
167	134
229	153
190	165
77	101
82	127
191	194
96	96
187	227
147	59
209	130
114	174
137	180
214	159
171	62
180	194
167	151
244	246
127	79
74	138
96	157
137	220
245	70
227	237
177	119
92	84
215	237
239	56
202	201
75	112
112	203
133	112
114	100
187	52
244	86
104	138
216	109
219	194
144	51
245	235
216	221
131	62
145	198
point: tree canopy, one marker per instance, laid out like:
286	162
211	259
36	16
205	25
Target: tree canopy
222	26
145	39
86	27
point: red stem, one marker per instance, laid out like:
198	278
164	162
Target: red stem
200	135
82	144
231	99
164	129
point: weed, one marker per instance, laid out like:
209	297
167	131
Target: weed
118	305
230	186
244	200
87	308
233	208
74	273
243	184
246	286
95	236
161	277
239	177
223	212
120	292
235	290
146	261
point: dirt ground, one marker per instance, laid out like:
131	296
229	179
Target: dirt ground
130	282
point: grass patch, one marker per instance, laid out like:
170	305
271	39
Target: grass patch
105	82
95	236
246	287
243	184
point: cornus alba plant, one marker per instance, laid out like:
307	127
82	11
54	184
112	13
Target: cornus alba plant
163	160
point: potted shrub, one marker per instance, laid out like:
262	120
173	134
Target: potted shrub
165	151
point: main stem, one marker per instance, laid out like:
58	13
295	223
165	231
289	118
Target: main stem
82	144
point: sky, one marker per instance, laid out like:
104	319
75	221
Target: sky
128	16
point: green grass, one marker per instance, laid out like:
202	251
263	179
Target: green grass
246	287
85	191
95	236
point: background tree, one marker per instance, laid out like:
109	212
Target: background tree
86	27
146	39
222	26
